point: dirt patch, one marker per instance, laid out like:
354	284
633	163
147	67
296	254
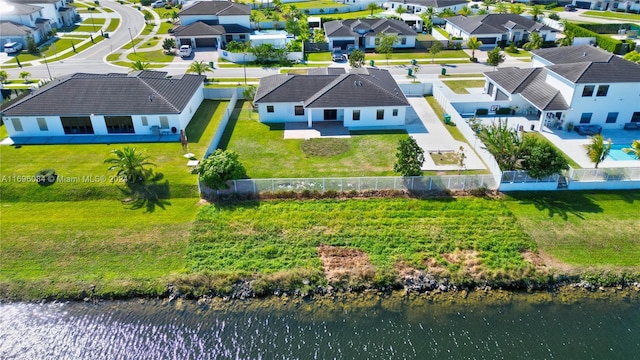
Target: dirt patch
343	265
546	263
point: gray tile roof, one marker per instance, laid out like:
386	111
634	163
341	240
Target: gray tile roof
201	28
220	8
495	23
366	87
8	28
530	84
355	27
573	54
34	1
20	9
327	71
145	92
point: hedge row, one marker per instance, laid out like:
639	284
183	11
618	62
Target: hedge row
608	28
605	42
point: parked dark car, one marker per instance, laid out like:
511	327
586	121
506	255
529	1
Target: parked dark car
570	7
588	129
337	55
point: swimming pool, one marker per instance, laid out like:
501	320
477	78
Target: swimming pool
617	154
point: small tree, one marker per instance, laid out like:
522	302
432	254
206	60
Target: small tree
436	48
3	76
387	41
372	7
540	158
356	59
130	164
634	149
168	44
139	66
535	42
465	11
598	150
495	57
25	75
536	11
199	67
401	10
409	158
501	8
220	167
32	47
516	9
446	13
502	142
249	93
474	44
318	36
172	16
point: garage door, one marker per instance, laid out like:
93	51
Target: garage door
488	41
583	4
184	41
342	43
206	42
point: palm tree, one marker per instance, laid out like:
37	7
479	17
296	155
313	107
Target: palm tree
372	7
140	66
502	142
3	76
516	9
173	16
501	8
25	75
430	12
535	42
474	44
465	11
199	67
130	164
634	149
536	11
567	40
598	150
446	13
401	10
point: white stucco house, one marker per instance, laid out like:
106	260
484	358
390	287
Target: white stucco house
19	21
419	6
58	12
610	5
361	98
575	84
140	103
365	33
213	23
493	28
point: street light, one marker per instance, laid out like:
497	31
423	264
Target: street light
92	23
132	44
47	65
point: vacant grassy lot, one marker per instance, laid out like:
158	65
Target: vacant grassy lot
72	161
612	15
150	56
265	154
461	86
586	229
271	237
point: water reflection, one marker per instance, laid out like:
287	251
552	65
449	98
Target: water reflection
362	328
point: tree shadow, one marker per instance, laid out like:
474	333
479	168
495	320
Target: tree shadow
149	194
559	203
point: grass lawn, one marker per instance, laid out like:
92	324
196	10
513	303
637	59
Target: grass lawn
586	229
612	15
113	25
519	54
151	56
317	4
397	55
96	21
352	15
149	44
460	76
276	236
265	154
164	28
87	160
460	86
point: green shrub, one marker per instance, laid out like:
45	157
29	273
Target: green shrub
480	112
46	177
503	111
603	41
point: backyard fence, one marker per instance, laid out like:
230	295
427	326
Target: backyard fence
605	174
358	184
520	176
223	123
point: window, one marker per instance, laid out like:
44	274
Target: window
77	125
356	115
635	117
269	108
42	124
588	90
164	122
395	112
119	124
585	118
403	41
299	110
243	36
145	121
602	90
380	114
17	125
612	117
228	38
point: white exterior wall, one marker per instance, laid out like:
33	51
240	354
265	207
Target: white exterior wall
185	116
50	11
370	42
621	98
29	20
540	62
282	112
190	19
242	20
30	126
368	116
563	85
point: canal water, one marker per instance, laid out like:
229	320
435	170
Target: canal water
502	326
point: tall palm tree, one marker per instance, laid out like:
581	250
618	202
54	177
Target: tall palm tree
401	10
199	67
536	11
372	7
634	149
535	42
446	13
474	44
598	150
140	65
130	164
465	11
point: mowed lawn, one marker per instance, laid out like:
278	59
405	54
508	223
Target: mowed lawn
461	86
275	236
265	153
586	229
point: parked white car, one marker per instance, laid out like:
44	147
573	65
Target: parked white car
12	47
185	50
158	4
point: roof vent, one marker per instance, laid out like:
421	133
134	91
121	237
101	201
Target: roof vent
150	97
359	83
584	53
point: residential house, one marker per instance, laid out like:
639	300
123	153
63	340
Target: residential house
140	103
420	6
493	28
58	12
213	24
20	21
365	33
12	32
574	84
607	5
361	98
